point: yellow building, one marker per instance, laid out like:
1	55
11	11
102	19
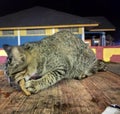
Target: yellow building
38	22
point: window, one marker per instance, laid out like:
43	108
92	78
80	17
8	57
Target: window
74	30
35	31
8	32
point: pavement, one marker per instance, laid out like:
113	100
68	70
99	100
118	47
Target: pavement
114	67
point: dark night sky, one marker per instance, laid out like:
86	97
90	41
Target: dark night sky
108	8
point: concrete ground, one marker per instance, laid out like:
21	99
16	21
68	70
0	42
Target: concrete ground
114	67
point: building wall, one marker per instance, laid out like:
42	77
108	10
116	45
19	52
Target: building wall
107	53
24	37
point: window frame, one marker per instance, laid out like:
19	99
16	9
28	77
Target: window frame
71	29
8	32
35	32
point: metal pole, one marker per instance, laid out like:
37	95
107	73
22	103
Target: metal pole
83	34
103	39
53	30
18	37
